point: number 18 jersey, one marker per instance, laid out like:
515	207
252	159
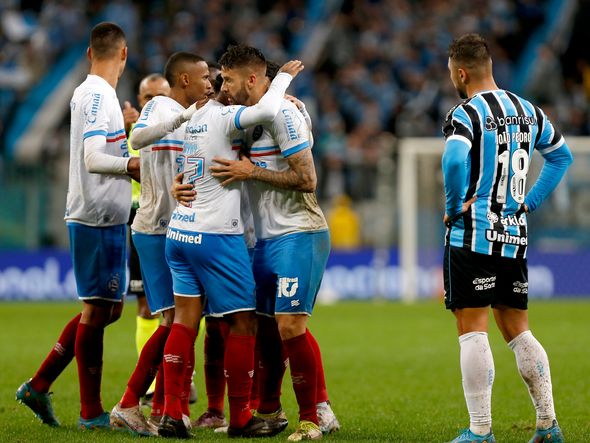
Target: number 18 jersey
501	131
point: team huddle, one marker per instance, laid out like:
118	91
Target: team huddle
229	228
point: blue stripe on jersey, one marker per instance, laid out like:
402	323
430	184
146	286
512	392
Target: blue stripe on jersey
140	125
237	117
120	131
168	142
296	149
93	133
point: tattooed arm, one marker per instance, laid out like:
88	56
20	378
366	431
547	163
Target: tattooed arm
300	176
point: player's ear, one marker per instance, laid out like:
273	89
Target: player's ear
184	80
89	53
124	54
463	75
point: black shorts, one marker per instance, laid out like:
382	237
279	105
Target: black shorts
135	279
474	280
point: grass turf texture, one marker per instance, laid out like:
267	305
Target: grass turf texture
392	371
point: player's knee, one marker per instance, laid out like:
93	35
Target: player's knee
291	326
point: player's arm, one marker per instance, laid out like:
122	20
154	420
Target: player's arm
557	156
94	141
146	132
300	176
270	104
458	132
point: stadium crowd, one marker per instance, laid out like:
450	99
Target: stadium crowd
375	77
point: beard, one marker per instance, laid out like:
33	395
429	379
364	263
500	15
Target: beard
462	93
241	97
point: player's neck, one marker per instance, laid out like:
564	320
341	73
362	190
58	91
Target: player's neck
178	96
109	71
479	86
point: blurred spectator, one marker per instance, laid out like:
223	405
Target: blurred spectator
344	223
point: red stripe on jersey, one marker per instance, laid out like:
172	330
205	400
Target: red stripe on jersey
262	154
116	139
167	148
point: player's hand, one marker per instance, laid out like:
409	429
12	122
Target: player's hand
232	170
464	208
300	105
130	116
292	67
182	193
133	169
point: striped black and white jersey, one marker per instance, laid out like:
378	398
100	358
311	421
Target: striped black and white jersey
490	139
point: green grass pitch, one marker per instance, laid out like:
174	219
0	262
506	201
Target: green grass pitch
392	371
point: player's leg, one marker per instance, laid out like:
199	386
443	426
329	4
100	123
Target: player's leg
511	316
34	393
273	358
183	332
469	290
296	293
228	281
216	331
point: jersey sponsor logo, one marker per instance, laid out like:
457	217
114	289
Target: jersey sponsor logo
492	123
510	220
198	129
483	283
294	303
193	239
519	287
289	124
94	107
505	237
257	132
288	286
148	108
183	217
263	165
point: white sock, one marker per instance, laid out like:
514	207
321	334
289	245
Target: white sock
533	366
477	368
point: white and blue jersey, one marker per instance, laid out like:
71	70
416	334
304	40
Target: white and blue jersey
280	211
97	199
490	139
158	167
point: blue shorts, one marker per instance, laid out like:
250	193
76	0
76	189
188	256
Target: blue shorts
154	270
99	256
288	271
215	265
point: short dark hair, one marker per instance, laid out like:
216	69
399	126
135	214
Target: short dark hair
214	65
239	56
470	49
175	62
105	39
272	69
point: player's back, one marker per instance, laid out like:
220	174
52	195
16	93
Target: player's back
502	130
278	211
97	199
158	167
210	133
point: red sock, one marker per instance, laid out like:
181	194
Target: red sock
254	396
58	358
322	391
146	368
271	368
176	359
214	378
158	398
239	369
188	379
304	376
88	349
